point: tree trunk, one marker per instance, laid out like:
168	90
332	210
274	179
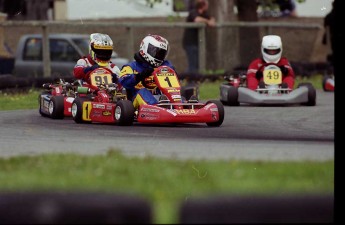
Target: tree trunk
231	47
249	47
220	41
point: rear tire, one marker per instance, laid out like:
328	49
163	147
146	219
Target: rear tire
190	90
233	96
56	107
124	113
220	112
311	94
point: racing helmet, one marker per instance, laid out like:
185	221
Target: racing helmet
154	49
100	48
271	48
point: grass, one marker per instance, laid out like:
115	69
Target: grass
164	183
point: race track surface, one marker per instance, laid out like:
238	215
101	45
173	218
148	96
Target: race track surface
275	133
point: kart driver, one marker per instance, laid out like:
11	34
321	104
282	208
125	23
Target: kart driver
100	50
271	49
136	76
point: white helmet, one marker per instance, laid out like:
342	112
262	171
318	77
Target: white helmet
154	49
271	48
100	48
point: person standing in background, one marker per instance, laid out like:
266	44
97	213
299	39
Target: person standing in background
287	7
198	14
329	25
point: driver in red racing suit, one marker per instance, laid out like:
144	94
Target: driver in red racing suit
136	76
100	50
271	49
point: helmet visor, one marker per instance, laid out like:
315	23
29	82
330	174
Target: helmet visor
103	54
157	53
272	51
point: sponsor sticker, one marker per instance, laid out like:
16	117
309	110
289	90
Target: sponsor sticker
98	106
106	113
185	111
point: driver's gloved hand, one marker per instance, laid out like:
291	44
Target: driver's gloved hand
258	75
114	78
144	74
90	68
284	85
284	70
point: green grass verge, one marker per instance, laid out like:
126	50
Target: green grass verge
164	183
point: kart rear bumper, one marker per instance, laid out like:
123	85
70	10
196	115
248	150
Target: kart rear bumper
297	96
157	114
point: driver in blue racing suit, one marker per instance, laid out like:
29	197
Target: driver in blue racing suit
136	77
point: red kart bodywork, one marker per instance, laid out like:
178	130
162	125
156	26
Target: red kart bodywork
328	84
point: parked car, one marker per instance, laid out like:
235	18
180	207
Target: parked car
65	50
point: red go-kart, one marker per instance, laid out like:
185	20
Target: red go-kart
56	100
173	108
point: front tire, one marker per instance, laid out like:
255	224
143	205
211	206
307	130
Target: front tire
124	113
77	110
220	112
311	94
56	107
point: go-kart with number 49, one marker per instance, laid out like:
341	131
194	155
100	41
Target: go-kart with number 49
56	100
97	102
269	92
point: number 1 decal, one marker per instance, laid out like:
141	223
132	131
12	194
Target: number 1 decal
168	81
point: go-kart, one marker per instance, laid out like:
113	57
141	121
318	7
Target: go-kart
97	102
270	92
174	108
328	83
56	100
228	89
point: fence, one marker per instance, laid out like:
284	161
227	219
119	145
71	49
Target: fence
132	33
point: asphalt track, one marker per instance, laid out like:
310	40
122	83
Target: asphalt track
275	133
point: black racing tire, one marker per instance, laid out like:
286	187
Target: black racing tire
56	107
124	113
220	111
233	96
189	91
311	94
77	110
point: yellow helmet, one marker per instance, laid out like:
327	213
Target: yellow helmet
101	48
